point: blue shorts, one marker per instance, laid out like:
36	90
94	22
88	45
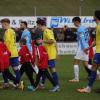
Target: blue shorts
51	63
14	61
97	58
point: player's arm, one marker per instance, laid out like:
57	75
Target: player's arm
50	38
49	41
93	45
7	50
56	47
7	39
83	43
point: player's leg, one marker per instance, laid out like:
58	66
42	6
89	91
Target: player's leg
85	64
47	74
29	73
55	86
51	64
38	76
22	70
77	59
93	74
90	62
85	59
6	82
76	71
14	63
9	75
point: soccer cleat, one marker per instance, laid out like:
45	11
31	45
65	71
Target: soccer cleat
31	88
55	89
84	90
21	86
5	85
74	80
41	86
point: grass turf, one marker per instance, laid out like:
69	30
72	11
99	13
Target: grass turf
47	7
68	90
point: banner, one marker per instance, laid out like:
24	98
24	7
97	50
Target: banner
67	48
60	21
15	21
51	21
63	48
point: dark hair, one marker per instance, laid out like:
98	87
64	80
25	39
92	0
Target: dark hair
23	41
97	14
24	22
41	22
5	20
76	19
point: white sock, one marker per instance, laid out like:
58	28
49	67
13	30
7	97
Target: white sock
76	72
98	72
89	66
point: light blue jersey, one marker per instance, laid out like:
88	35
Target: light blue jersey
82	37
27	35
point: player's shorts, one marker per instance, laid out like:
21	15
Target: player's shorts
80	55
51	63
97	58
14	61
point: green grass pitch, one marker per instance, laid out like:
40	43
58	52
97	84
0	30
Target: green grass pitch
68	90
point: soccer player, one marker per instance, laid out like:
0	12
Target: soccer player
96	60
26	35
49	43
82	53
42	62
91	53
10	42
26	61
5	62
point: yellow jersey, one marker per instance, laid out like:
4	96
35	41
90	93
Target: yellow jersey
98	38
51	48
10	42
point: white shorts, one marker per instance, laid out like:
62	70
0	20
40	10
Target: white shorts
80	55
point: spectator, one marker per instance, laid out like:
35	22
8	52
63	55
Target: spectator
60	36
26	35
36	32
68	34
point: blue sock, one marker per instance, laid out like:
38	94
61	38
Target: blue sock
92	78
5	78
17	72
88	71
55	77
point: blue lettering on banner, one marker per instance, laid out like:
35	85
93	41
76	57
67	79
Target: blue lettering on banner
87	20
54	22
58	21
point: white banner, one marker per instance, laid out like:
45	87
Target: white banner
60	21
15	21
67	48
63	48
52	21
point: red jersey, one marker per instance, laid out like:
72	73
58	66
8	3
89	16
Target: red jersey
91	52
42	57
4	57
33	52
24	54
